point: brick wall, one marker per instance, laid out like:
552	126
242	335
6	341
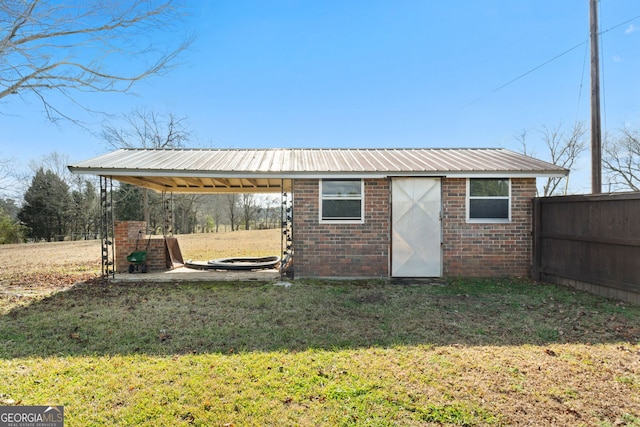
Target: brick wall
362	250
341	250
126	236
496	249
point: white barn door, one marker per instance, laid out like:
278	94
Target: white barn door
416	227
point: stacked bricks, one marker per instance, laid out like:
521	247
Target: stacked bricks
487	249
127	235
341	250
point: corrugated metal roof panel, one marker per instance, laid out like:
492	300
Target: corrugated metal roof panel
223	165
277	161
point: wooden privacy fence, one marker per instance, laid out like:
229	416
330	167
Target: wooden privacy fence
590	242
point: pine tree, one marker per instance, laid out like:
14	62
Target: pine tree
47	207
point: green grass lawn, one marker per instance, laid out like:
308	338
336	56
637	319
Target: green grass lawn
468	352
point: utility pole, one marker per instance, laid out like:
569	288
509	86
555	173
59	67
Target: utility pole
596	130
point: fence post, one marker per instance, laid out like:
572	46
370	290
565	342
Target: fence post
537	241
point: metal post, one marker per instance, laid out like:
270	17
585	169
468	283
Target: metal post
107	226
286	235
282	208
167	204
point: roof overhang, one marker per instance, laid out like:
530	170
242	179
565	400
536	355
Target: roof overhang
265	171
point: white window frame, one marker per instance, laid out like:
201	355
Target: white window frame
487	220
345	197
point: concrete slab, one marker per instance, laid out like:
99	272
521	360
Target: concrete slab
183	274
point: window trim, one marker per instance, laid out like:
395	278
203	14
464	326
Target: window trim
488	220
341	221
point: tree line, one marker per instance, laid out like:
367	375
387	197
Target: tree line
58	205
54	209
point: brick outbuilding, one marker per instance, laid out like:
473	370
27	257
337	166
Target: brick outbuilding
368	212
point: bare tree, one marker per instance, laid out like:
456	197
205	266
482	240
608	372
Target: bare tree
57	163
72	46
216	207
147	129
249	207
563	149
231	203
5	175
524	148
621	160
185	212
270	212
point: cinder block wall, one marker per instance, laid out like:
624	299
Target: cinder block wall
496	249
341	250
126	236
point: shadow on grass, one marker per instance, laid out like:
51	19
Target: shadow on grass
164	319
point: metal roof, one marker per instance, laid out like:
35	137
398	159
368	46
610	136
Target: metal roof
264	170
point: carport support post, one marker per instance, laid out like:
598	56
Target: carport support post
107	226
286	228
167	205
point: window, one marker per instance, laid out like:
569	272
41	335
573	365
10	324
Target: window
341	200
489	200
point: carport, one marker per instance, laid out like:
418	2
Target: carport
190	171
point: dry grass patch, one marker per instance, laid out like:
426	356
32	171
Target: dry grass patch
474	352
80	257
48	258
204	247
30	271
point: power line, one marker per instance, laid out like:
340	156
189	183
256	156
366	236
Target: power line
584	67
549	61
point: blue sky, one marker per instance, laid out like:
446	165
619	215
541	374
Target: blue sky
401	73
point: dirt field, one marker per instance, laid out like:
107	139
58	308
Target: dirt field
31	269
237	243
